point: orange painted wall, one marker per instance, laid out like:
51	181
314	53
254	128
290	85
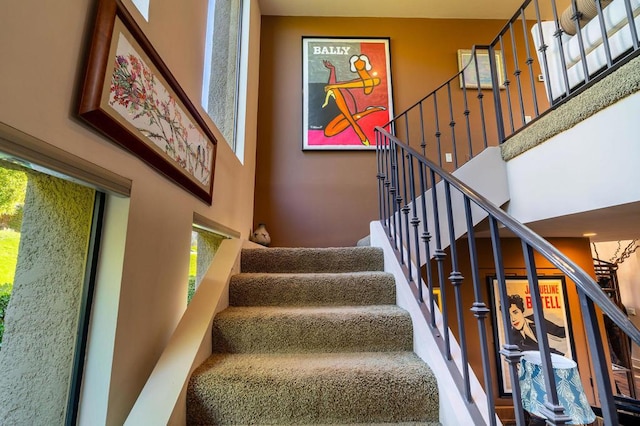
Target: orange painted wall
328	198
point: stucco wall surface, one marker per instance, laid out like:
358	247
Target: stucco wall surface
36	359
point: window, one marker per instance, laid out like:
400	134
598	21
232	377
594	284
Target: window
221	69
143	7
58	224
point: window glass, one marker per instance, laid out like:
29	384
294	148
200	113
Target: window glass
143	7
222	53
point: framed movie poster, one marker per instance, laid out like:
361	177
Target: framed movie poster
346	92
522	326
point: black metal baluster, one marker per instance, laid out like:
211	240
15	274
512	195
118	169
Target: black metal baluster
577	16
423	142
406	128
387	184
394	194
439	255
601	366
632	24
456	279
426	238
553	411
507	85
543	49
605	37
380	174
435	106
480	98
452	124
415	222
509	351
517	72
405	211
480	311
496	95
466	115
558	35
529	62
398	236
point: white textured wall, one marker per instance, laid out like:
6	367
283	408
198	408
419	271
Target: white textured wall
628	274
42	318
590	166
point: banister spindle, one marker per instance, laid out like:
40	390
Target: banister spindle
529	63
510	351
415	222
456	279
553	411
452	124
480	311
440	255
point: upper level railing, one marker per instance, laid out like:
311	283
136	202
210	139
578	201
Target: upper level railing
538	66
530	68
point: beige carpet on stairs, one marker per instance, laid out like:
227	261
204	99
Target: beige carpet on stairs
312	337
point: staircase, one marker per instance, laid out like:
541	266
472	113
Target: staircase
312	336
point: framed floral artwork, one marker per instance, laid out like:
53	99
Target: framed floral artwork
130	96
347	92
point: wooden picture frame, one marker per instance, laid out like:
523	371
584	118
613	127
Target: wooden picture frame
555	304
347	92
129	95
470	80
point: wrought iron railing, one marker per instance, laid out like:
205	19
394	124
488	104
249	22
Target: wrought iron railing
495	95
538	67
411	187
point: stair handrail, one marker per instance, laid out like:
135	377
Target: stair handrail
552	254
401	197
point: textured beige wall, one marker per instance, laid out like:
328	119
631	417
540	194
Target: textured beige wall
43	49
42	317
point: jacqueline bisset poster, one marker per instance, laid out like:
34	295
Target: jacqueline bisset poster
346	92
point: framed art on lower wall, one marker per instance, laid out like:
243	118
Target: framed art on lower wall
347	92
522	327
130	95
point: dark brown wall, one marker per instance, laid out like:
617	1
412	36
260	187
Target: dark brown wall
322	198
578	249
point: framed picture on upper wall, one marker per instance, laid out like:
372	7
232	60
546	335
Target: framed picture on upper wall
130	96
470	80
347	92
522	326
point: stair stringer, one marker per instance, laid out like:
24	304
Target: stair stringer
454	410
486	173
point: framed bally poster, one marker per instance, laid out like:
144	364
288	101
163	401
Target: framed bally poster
522	327
346	92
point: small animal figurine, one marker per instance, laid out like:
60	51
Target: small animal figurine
260	235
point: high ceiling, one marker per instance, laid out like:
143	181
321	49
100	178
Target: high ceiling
470	9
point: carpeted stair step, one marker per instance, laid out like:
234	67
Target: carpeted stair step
306	329
312	260
356	288
360	388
